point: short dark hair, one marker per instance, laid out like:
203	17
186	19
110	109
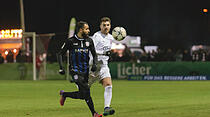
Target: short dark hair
80	25
104	19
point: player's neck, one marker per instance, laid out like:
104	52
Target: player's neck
104	33
79	35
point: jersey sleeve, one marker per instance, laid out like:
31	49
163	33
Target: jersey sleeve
98	45
94	39
93	51
66	45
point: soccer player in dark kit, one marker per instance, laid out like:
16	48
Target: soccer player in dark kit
79	47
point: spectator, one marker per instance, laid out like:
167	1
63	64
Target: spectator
186	56
169	55
1	59
126	55
179	56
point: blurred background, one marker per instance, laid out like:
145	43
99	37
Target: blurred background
161	35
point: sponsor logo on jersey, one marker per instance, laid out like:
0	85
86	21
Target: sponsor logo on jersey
87	44
106	48
81	50
75	43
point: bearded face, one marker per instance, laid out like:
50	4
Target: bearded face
85	34
85	31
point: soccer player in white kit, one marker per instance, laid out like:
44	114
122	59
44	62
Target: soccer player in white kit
103	42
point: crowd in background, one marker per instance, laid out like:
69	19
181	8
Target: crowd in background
125	55
161	55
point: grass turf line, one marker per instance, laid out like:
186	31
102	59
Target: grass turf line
130	98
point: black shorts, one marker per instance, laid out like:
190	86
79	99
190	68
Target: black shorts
82	82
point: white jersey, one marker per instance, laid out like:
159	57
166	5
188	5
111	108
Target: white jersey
103	43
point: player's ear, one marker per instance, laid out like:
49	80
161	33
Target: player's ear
101	25
80	30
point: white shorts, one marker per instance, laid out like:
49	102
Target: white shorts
104	72
101	73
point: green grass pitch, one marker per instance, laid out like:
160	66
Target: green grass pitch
130	99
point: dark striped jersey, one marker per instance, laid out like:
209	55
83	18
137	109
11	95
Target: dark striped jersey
79	50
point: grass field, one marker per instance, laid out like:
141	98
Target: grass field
130	99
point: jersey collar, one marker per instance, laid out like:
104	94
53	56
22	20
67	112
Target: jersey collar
79	38
103	35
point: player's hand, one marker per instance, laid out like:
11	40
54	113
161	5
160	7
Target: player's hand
94	68
72	72
62	71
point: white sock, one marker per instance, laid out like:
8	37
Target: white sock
107	96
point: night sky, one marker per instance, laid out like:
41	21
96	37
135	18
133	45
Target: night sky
178	23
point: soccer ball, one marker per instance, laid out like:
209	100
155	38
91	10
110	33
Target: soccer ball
119	33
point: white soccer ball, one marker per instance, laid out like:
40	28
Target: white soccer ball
119	33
